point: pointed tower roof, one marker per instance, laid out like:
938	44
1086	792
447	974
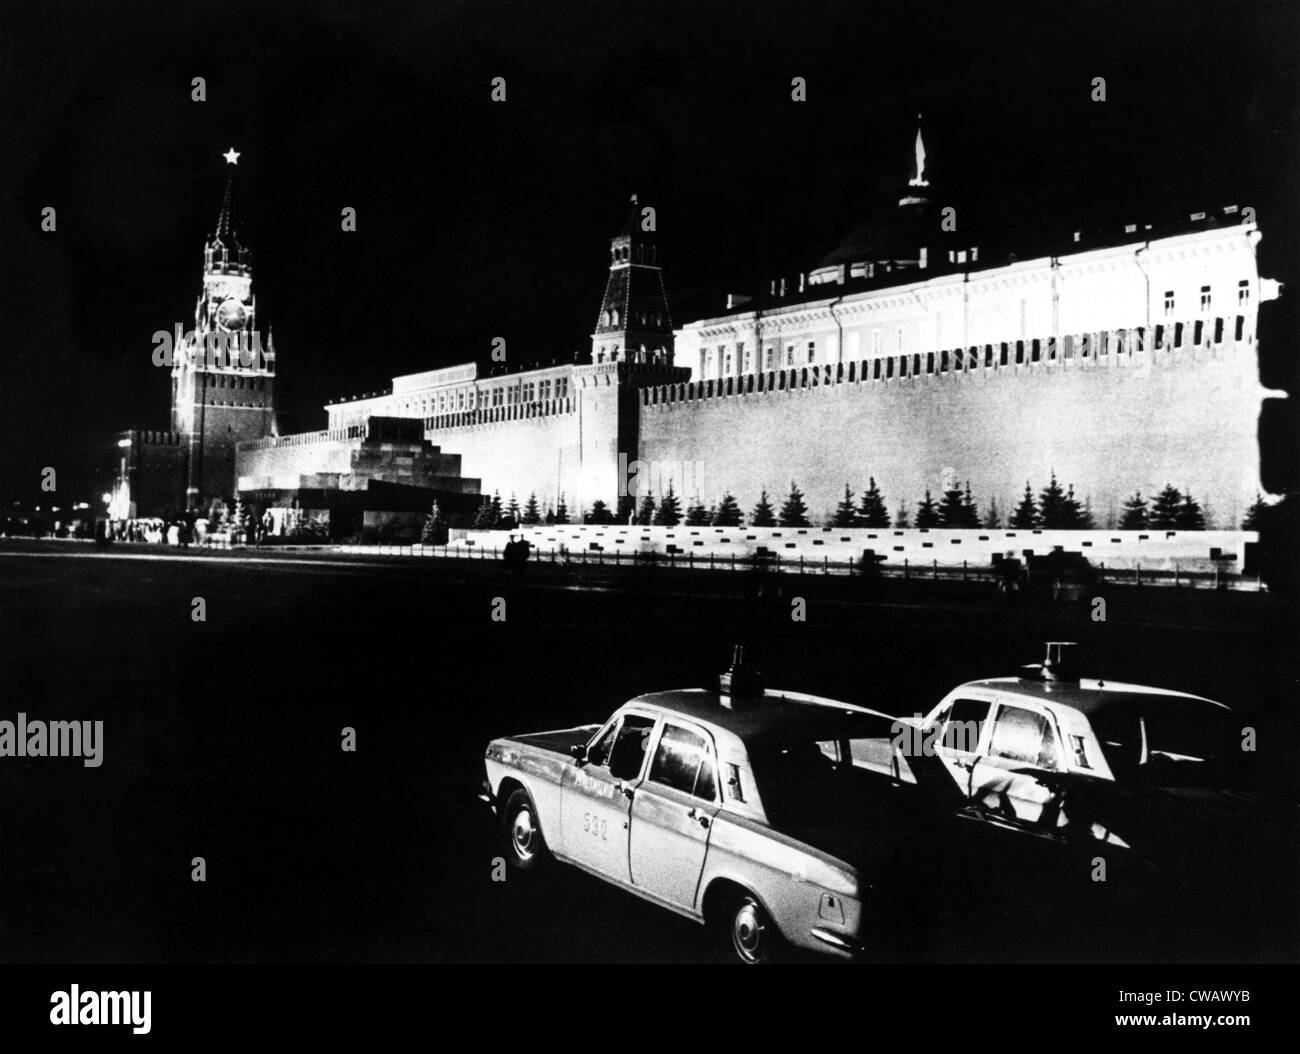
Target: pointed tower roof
225	252
634	321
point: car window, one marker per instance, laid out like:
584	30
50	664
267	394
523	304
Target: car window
965	723
630	746
683	762
1023	736
598	752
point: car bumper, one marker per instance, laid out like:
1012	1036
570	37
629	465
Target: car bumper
836	943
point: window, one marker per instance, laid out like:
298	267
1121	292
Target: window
1205	298
1023	736
683	762
789	354
726	368
769	358
875	343
623	747
812	351
965	723
742	357
1243	292
1169	302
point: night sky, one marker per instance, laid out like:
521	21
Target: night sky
478	220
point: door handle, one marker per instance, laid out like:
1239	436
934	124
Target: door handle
627	791
698	817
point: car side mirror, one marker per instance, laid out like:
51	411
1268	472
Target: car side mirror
579	752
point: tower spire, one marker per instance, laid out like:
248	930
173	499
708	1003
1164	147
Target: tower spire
223	218
918	177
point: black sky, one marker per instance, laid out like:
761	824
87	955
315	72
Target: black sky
478	220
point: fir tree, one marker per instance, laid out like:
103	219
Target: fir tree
532	515
697	515
669	513
512	512
994	518
970	515
645	515
1073	516
625	511
846	512
1052	511
950	508
549	518
600	513
495	510
561	511
483	517
762	516
901	520
1135	517
927	513
871	510
794	513
434	531
727	514
1164	511
243	519
1025	517
1189	516
1257	515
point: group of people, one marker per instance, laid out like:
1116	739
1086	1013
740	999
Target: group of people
516	552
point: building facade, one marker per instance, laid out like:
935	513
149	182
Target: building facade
1120	365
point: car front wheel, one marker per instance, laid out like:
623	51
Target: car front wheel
525	847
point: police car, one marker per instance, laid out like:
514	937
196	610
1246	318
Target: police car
1051	751
746	808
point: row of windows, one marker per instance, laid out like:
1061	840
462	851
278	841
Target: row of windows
1207	297
727	360
483	398
251	384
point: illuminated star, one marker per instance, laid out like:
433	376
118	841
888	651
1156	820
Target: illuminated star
231	156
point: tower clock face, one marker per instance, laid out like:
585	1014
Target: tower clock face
231	315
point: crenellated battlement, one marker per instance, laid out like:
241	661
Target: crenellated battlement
1167	343
494	415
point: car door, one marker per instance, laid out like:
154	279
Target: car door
595	795
1021	738
962	738
672	814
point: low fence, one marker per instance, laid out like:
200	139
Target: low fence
906	570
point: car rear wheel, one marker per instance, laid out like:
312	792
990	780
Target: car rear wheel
752	937
522	834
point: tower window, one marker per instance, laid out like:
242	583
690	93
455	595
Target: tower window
1169	302
1205	298
789	354
1243	292
812	351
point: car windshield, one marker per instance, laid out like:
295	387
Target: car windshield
824	774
